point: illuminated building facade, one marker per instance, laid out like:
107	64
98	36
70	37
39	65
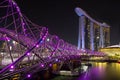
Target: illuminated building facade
113	51
92	34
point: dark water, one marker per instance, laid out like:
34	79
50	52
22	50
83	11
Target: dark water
98	71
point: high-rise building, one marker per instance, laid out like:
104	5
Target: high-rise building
92	34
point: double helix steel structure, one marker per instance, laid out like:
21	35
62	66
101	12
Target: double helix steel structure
23	42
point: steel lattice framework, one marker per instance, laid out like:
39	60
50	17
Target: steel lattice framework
23	42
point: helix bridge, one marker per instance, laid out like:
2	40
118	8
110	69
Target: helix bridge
24	42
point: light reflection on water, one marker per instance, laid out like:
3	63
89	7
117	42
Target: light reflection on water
102	71
98	71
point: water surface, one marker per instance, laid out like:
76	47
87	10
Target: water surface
98	71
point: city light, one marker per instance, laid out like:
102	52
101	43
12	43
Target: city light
2	53
28	54
37	46
10	47
50	65
48	39
42	65
28	75
56	60
12	67
14	42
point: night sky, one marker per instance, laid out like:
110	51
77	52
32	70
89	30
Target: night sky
60	18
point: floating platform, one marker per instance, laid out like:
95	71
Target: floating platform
68	73
76	72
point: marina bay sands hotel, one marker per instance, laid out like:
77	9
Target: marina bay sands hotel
92	34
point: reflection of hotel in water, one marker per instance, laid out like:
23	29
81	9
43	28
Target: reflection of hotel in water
92	34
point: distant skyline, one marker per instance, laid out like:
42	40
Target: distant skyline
60	18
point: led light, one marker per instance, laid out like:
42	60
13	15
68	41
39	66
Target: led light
28	75
13	42
56	60
37	46
48	39
50	65
28	54
42	65
10	47
12	67
2	53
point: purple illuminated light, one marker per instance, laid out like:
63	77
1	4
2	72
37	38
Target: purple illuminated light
42	65
50	65
37	46
28	54
28	75
12	67
49	57
56	60
7	39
